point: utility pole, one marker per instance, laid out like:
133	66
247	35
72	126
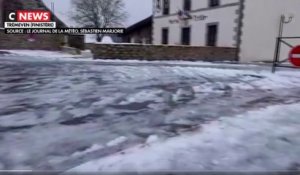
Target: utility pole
53	10
52	7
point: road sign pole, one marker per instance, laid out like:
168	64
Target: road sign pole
276	55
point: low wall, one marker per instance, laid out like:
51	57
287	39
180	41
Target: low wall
20	41
161	52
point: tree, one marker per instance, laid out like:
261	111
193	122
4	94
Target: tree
99	13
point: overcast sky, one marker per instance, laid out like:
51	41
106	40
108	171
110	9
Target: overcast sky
137	9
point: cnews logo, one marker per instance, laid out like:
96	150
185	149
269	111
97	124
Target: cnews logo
29	19
29	16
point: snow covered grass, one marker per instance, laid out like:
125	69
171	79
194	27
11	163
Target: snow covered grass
262	140
44	55
39	53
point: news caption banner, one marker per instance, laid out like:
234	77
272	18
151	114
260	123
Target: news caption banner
39	22
69	31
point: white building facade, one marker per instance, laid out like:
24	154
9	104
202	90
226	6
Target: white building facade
251	26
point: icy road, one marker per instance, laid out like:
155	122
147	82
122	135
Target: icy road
56	115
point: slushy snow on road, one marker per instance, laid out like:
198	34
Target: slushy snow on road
57	113
263	140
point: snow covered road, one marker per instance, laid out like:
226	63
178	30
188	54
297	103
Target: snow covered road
56	115
262	141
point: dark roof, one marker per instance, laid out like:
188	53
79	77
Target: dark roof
147	22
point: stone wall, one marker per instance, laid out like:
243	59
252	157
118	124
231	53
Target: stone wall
21	41
161	52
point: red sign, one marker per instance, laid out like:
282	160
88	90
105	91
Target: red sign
33	16
295	56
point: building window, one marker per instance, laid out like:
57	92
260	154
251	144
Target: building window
166	7
158	3
214	3
187	5
212	34
165	36
186	36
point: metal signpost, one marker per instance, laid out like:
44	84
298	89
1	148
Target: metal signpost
295	52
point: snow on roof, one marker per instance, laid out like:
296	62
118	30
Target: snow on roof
107	40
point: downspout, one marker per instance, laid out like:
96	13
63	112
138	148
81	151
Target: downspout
239	29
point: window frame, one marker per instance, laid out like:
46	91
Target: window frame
166	8
182	36
213	3
158	5
208	41
165	41
187	6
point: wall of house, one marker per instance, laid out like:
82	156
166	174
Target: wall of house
143	36
225	16
76	41
176	5
261	27
161	52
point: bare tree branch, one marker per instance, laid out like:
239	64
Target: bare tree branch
99	13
